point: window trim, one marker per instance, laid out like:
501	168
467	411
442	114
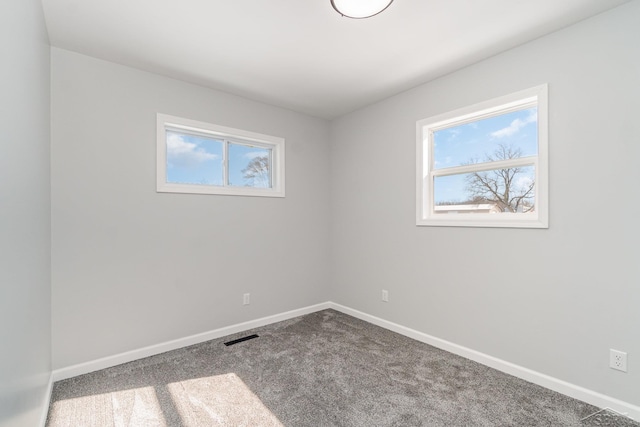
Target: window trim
425	172
228	135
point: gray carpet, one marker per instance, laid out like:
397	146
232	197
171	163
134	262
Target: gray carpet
322	369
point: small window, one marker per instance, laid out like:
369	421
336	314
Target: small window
197	157
485	165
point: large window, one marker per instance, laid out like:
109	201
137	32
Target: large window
485	165
197	157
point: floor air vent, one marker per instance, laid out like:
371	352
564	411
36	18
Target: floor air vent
250	337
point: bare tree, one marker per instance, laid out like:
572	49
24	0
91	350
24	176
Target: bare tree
256	174
504	187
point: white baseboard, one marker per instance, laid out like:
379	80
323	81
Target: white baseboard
129	356
568	389
46	402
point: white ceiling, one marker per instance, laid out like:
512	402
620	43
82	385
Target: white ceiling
301	54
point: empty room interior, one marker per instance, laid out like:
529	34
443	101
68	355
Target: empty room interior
445	179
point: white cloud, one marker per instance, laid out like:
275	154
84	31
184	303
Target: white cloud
253	154
181	153
515	126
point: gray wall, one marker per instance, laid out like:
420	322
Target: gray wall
25	227
551	300
132	267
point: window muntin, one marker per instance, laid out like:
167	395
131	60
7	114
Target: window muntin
197	157
488	162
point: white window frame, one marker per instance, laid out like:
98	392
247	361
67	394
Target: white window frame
426	172
228	135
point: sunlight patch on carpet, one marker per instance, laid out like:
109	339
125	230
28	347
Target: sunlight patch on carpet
221	400
133	407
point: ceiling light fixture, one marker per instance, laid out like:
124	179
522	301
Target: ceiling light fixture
359	9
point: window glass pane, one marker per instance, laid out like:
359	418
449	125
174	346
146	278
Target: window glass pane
249	166
502	137
493	191
193	159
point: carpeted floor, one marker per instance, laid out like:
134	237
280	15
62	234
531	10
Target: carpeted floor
322	369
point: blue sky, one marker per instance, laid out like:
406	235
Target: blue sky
458	145
193	159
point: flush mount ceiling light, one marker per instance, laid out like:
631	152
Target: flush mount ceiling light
358	9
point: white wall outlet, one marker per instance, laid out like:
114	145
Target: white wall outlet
618	360
385	295
246	299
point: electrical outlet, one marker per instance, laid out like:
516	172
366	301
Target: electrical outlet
618	360
385	295
246	299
